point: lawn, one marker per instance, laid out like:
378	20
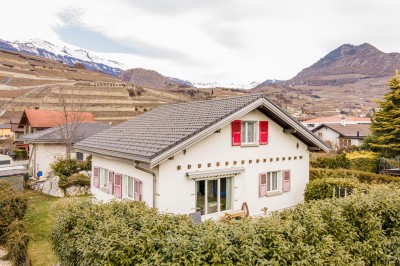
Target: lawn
40	218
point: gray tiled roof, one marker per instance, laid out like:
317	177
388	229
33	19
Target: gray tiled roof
348	130
156	131
80	131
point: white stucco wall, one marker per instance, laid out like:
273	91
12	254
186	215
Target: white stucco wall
45	154
177	192
124	168
328	135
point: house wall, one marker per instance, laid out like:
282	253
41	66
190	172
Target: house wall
177	192
6	132
329	136
44	155
123	168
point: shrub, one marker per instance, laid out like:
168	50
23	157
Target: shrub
86	165
17	243
21	154
356	230
339	161
12	230
12	207
366	177
324	188
64	166
364	161
74	180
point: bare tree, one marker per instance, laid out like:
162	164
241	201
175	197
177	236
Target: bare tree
71	113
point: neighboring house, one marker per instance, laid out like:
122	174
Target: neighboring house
48	144
11	172
340	136
5	131
34	120
207	157
344	120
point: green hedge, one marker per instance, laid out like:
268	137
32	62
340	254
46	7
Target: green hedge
356	230
339	161
13	206
323	188
366	177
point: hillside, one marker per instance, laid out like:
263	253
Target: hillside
347	64
347	80
149	78
28	81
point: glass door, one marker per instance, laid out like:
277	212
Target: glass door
214	195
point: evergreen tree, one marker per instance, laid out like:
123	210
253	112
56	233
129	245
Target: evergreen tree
385	126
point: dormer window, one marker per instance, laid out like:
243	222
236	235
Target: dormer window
249	129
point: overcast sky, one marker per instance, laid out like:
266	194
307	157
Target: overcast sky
226	41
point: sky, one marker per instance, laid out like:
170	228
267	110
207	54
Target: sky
224	41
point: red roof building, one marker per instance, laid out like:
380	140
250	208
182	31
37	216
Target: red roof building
33	120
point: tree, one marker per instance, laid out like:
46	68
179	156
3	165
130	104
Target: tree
385	125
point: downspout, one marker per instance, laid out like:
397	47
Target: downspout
32	155
137	166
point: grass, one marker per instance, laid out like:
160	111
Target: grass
40	217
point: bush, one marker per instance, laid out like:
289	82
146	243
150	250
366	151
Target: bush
65	167
364	161
13	234
12	207
86	165
74	180
324	188
356	230
17	243
21	154
339	161
365	177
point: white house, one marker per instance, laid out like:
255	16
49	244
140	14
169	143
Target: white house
341	136
208	157
343	120
46	145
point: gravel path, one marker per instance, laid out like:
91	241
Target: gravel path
3	262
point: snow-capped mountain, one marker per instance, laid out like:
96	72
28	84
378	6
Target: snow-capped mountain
64	54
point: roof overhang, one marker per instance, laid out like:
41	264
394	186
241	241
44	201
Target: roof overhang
268	108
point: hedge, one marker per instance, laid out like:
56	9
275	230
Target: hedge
316	173
340	161
21	154
323	188
13	206
356	230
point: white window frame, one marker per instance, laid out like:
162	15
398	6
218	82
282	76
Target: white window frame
244	137
103	177
278	190
126	187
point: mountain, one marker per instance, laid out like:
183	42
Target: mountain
271	81
64	54
185	83
149	79
212	85
347	64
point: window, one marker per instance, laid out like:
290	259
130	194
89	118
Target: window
138	190
248	132
128	187
214	195
274	182
79	156
103	177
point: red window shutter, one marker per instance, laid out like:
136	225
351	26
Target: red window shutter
264	132
118	186
236	132
286	181
262	185
96	176
138	190
110	182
